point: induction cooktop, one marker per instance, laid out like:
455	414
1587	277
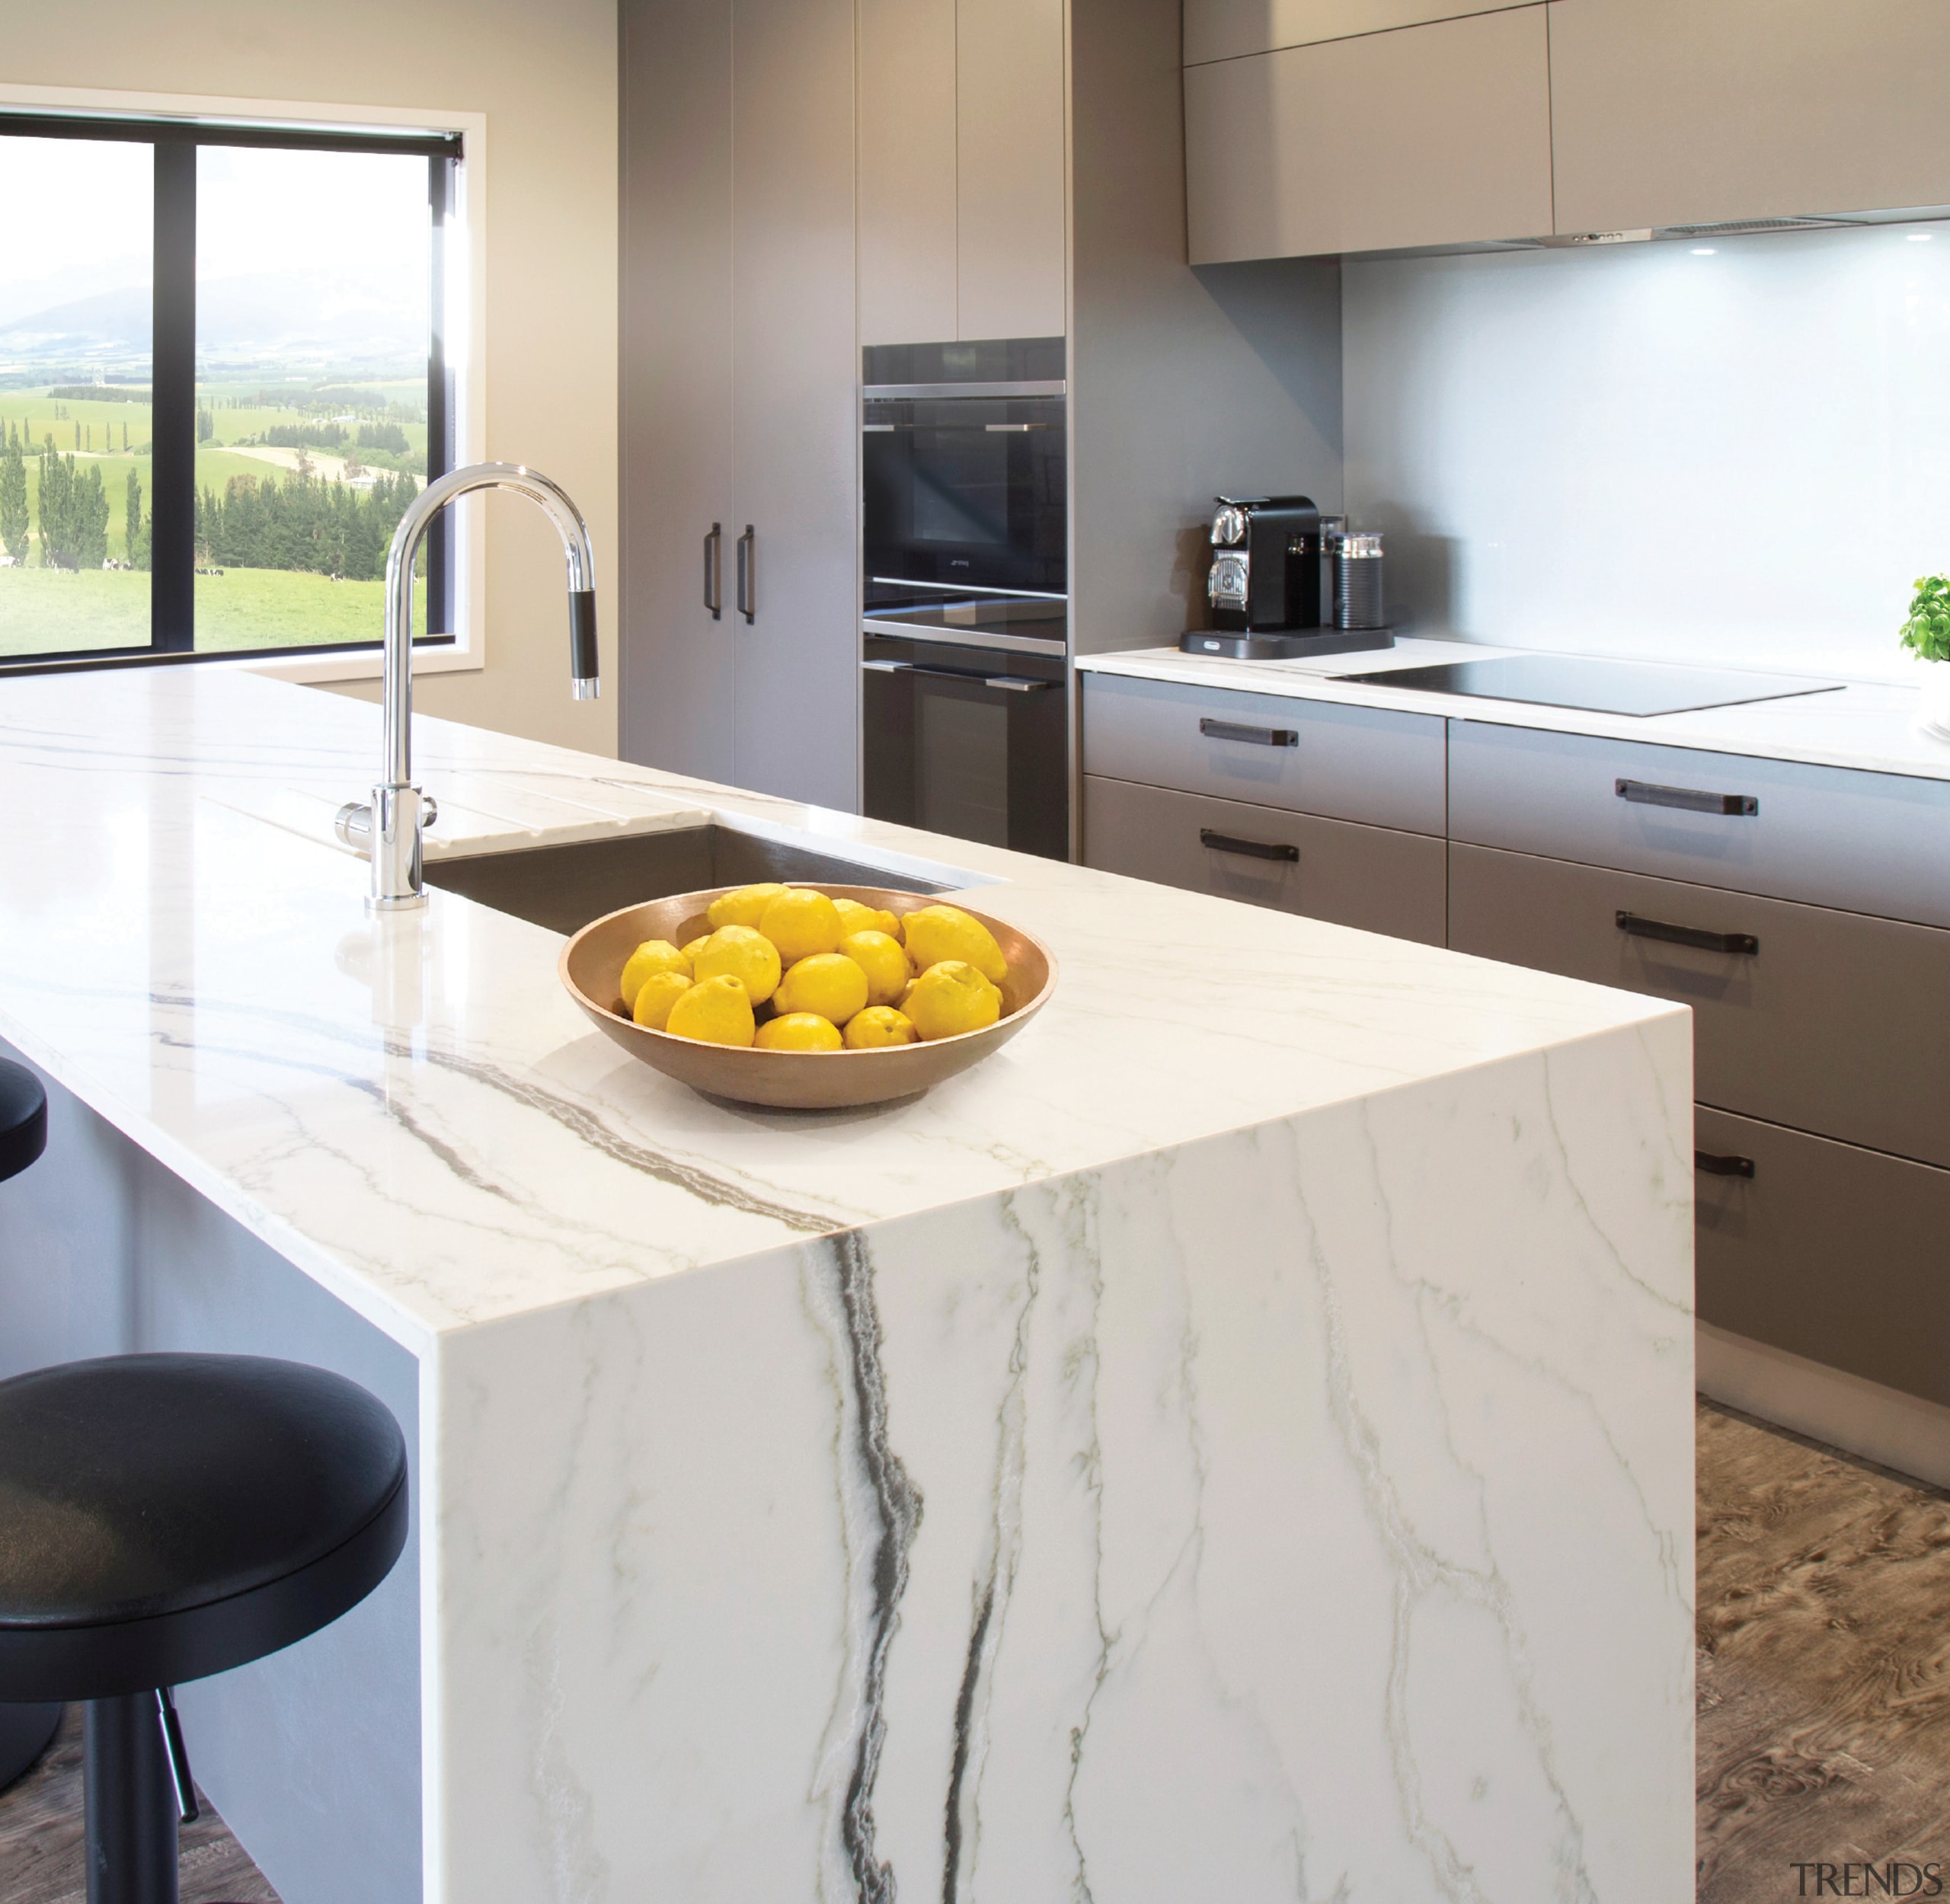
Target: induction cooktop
1638	688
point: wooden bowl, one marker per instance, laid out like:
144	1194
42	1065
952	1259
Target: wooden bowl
592	968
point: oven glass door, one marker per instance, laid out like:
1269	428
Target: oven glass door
968	742
965	492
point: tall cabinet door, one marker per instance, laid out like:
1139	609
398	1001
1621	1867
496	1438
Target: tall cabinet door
795	408
676	682
1013	91
907	171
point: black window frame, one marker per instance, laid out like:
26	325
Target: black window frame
173	371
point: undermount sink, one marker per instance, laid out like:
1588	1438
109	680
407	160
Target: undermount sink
563	888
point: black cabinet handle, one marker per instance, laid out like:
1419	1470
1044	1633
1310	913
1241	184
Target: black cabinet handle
1003	683
1251	849
714	571
1722	1166
1644	792
1259	736
748	605
1743	943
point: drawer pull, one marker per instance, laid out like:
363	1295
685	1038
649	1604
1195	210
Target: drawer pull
1644	792
1251	849
1743	943
1259	736
1722	1166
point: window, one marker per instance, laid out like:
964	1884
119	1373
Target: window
223	380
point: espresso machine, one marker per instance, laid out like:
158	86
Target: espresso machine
1272	583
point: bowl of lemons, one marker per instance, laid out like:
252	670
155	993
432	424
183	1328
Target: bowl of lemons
808	997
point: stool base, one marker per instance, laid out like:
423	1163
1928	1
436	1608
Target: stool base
131	1803
26	1732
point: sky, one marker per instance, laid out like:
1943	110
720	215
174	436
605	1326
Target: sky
347	231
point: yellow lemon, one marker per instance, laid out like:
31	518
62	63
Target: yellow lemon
738	952
939	932
951	997
857	918
883	961
744	907
799	1031
654	955
696	946
802	923
828	983
655	995
714	1011
878	1027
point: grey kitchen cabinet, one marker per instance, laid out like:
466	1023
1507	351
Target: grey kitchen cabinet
963	187
1373	877
1863	842
677	684
1801	1015
1814	900
907	136
1372	766
1427	135
740	394
1228	29
1012	98
1827	1250
1668	112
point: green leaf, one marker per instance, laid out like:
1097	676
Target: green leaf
1927	631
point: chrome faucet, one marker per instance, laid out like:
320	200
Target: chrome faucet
390	828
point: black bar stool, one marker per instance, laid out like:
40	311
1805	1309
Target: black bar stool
164	1517
26	1731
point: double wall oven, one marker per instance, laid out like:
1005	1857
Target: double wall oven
965	641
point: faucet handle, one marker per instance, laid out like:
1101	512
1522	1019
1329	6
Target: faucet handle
353	822
585	675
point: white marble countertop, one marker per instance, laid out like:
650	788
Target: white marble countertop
413	1111
1868	726
1235	1441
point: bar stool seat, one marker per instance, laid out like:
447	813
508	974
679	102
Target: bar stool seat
23	1119
164	1517
26	1731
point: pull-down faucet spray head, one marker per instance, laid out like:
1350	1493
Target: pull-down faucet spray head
390	828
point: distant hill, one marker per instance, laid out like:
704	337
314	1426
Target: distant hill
238	319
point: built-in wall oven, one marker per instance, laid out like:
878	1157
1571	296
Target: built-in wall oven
964	645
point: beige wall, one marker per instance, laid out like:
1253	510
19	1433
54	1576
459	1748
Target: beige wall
545	76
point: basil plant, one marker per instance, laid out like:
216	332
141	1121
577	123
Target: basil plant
1927	631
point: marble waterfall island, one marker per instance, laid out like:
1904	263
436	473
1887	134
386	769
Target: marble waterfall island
1234	1443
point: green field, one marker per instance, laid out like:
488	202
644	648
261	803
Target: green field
96	432
48	611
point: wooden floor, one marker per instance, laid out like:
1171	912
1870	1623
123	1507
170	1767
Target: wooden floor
41	1840
1824	1690
1824	1669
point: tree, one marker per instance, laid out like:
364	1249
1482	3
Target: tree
14	498
74	513
92	514
135	529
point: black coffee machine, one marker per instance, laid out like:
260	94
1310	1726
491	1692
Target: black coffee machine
1265	584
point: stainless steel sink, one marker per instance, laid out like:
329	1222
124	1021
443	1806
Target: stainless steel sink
564	887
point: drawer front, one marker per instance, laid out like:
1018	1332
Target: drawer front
1827	1251
1364	764
1833	1024
1369	877
1876	843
